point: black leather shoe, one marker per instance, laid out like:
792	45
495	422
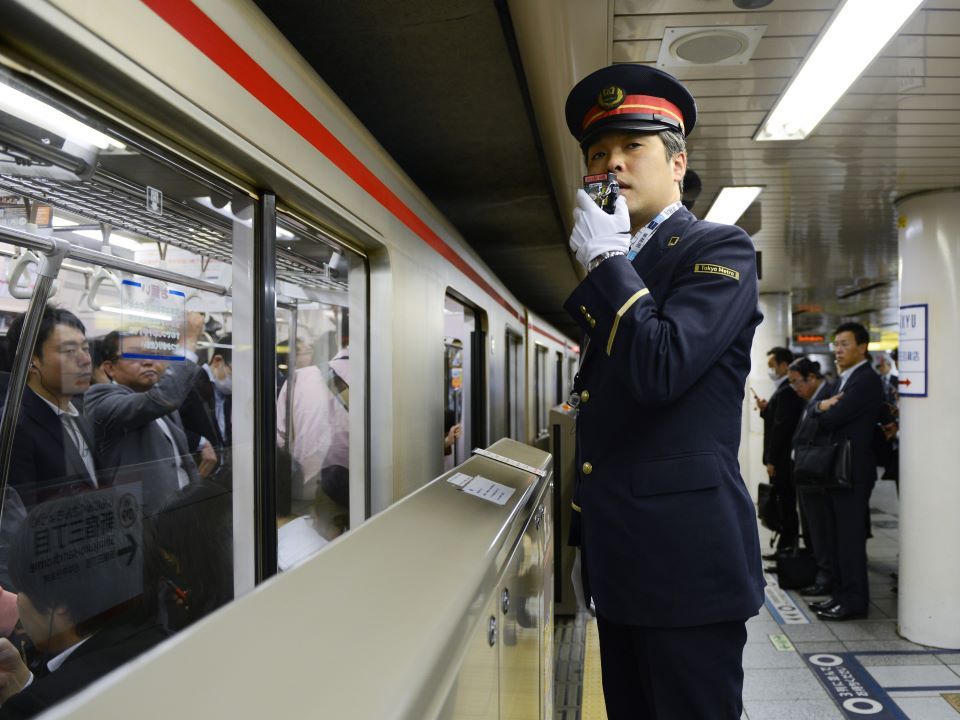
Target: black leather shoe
839	612
817	590
822	604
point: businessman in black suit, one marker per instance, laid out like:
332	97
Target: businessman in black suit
808	382
851	415
780	416
53	449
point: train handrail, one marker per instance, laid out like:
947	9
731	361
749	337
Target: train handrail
48	253
17	268
32	241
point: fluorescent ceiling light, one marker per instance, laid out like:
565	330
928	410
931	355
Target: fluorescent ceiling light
116	239
37	112
731	203
857	32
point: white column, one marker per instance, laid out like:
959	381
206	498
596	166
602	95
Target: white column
929	602
773	331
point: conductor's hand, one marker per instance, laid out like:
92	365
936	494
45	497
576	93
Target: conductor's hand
596	232
13	672
761	403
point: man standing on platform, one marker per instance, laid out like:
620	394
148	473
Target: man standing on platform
671	555
851	415
780	414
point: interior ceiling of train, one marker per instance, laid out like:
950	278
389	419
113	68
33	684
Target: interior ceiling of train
439	84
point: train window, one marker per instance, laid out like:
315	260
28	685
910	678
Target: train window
463	408
558	377
116	443
540	389
321	488
514	385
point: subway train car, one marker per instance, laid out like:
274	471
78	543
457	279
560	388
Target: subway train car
229	241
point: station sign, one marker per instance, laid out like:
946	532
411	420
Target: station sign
90	543
912	353
152	321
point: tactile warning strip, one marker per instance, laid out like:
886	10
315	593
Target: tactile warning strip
593	707
568	636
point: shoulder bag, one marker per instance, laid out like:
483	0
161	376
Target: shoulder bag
826	465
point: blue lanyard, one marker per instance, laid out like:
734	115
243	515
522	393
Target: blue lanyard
647	231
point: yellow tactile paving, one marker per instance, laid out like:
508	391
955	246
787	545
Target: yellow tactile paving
593	707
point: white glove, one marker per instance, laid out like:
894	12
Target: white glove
596	232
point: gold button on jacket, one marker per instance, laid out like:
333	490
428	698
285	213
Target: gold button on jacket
587	468
585	396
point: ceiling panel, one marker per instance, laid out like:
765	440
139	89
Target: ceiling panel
827	209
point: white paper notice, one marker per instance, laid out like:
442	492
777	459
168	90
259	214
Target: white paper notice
459	479
489	490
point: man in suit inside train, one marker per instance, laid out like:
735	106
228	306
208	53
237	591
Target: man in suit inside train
780	415
53	450
807	381
851	414
670	549
139	434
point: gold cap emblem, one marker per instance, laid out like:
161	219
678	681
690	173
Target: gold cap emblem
610	97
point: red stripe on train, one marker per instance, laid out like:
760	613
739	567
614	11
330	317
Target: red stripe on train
205	35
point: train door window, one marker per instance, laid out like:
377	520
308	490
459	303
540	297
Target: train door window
514	384
571	373
118	459
463	408
321	371
540	389
558	378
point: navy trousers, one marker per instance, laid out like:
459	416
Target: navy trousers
693	673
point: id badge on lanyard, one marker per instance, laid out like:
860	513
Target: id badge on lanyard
647	231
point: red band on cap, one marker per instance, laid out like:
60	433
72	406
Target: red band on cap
636	105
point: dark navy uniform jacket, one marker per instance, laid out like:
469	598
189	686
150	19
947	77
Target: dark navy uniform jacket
669	528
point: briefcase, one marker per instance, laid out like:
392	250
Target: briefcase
768	507
796	569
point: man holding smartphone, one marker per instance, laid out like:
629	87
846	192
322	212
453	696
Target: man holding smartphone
671	555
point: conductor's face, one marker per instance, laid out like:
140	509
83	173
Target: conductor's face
649	181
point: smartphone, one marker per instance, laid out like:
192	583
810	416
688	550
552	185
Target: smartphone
603	190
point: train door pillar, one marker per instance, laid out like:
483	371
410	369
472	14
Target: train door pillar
929	346
775	330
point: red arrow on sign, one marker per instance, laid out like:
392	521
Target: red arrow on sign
905	382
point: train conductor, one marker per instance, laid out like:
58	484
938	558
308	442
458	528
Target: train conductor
671	555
